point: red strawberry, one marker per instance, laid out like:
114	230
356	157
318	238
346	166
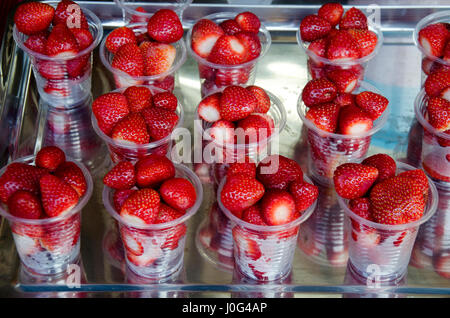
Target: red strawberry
132	241
166	100
165	26
353	19
205	34
277	207
158	57
353	180
263	100
343	47
332	12
240	193
319	47
248	21
120	196
345	80
70	14
61	42
385	165
153	169
439	113
354	121
228	50
225	77
397	200
24	204
76	67
121	176
129	59
277	172
253	215
314	27
251	43
20	176
119	37
324	116
109	109
254	129
237	103
179	193
37	42
141	207
372	103
433	38
83	36
247	246
446	56
345	99
57	196
366	39
209	108
160	122
138	18
419	177
304	194
436	82
167	214
318	91
222	131
361	207
71	174
33	17
50	158
131	128
138	97
230	27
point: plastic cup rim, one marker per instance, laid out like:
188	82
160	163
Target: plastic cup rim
122	4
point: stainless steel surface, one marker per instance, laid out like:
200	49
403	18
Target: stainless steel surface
395	71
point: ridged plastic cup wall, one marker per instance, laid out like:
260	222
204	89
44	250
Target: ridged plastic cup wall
132	15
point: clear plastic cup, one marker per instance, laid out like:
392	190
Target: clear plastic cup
48	246
155	250
264	253
123	150
131	15
62	83
318	66
164	80
386	259
435	144
327	151
213	76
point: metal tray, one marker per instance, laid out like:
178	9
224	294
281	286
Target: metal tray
396	71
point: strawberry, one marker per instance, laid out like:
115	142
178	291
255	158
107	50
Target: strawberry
304	194
149	257
318	91
228	50
24	204
120	196
354	121
109	109
205	34
83	37
332	12
174	236
353	19
132	241
137	18
226	77
153	169
33	17
209	108
20	176
158	57
366	39
436	82
165	26
167	214
70	14
230	27
119	37
372	103
314	27
361	207
253	215
138	97
397	200
246	167
345	80
263	100
236	103
247	246
324	116
241	192
50	158
160	122
439	113
54	242
433	39
129	59
179	193
71	174
353	180
343	47
167	84
385	165
251	43
419	177
141	206
131	128
248	21
222	131
37	42
121	176
61	42
345	99
254	129
277	172
166	100
277	207
57	196
319	47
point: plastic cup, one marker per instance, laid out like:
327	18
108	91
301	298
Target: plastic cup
62	83
318	66
120	150
48	246
388	259
272	247
327	151
213	76
131	15
155	250
164	80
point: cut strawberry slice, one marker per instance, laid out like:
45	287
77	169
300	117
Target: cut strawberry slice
433	38
131	241
354	121
205	34
209	108
277	207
